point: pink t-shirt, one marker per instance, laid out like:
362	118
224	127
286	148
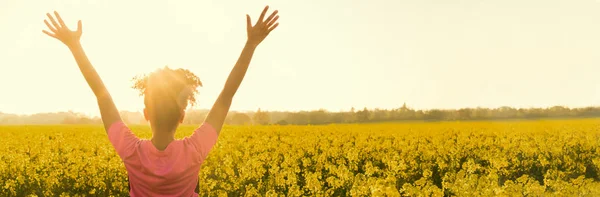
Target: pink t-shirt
171	172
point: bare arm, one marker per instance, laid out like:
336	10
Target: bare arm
256	34
108	110
60	31
219	110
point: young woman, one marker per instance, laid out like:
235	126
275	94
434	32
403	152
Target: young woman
163	165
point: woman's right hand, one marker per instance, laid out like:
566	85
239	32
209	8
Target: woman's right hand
262	28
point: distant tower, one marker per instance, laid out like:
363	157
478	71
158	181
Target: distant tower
404	108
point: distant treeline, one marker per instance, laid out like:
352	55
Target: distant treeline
316	117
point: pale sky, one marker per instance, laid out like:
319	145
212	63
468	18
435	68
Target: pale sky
325	54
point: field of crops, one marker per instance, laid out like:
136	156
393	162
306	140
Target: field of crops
559	157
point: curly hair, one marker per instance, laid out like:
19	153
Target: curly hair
167	93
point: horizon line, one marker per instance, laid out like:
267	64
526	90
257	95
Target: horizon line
317	109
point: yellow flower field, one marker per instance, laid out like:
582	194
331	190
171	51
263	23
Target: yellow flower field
510	158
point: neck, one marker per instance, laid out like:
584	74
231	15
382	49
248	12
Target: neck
162	139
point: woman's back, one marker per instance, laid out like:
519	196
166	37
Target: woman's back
171	172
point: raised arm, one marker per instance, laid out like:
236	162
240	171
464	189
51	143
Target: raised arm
60	31
256	34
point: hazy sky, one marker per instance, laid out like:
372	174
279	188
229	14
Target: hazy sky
325	54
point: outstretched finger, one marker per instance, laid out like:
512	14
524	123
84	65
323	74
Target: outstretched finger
272	21
248	22
271	17
262	15
79	26
50	26
56	26
60	20
49	34
272	28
